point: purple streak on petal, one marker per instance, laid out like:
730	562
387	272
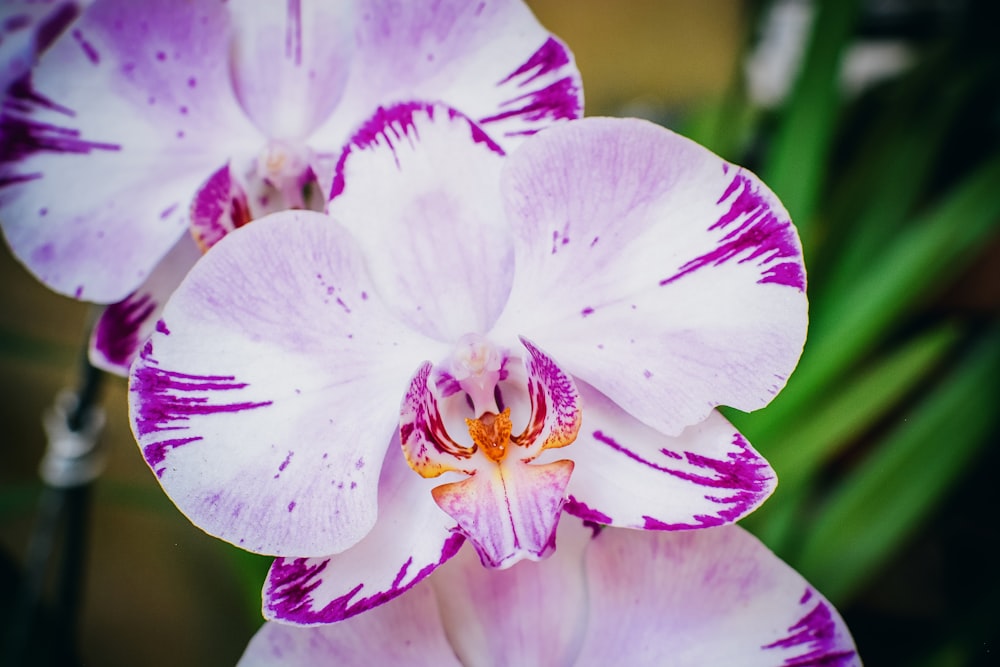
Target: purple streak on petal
87	47
816	632
21	137
157	452
161	327
292	581
760	235
117	331
163	395
742	472
588	514
557	101
392	124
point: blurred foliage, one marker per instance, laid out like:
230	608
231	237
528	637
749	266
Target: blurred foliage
896	193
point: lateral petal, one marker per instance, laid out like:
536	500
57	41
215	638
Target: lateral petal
666	278
628	474
260	402
407	631
411	538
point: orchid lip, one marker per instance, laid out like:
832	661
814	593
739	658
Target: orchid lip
507	506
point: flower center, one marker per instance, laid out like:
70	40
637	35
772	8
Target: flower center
278	179
508	505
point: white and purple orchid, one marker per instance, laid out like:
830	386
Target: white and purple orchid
149	120
688	599
468	346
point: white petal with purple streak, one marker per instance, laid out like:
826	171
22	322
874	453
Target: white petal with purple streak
706	597
407	631
260	400
666	278
418	186
628	474
123	327
410	540
491	59
94	188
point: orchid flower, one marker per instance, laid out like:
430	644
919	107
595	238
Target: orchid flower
470	344
152	128
696	598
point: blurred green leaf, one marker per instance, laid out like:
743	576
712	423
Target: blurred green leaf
813	439
875	509
923	257
798	157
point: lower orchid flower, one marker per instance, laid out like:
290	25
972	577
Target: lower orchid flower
480	343
150	129
689	599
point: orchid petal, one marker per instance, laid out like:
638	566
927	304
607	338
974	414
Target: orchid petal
94	188
407	631
123	327
27	28
492	60
509	510
529	614
630	475
410	540
706	597
290	62
263	414
418	187
667	279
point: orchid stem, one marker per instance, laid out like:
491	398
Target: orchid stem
40	633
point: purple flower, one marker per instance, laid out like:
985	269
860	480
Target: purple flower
152	128
470	344
709	597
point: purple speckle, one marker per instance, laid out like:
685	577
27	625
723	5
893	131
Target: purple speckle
192	82
43	212
88	48
165	213
291	506
161	56
647	373
161	327
284	464
359	464
586	311
183	109
79	292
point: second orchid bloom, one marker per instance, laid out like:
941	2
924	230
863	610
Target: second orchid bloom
469	345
